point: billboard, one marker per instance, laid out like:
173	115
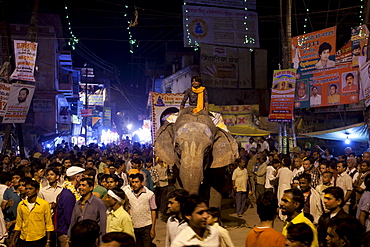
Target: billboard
4	96
25	60
163	105
19	101
333	86
220	26
365	82
359	45
282	96
225	67
314	50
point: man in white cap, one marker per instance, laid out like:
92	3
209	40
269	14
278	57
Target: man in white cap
118	220
66	201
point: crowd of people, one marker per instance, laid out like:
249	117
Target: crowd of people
114	194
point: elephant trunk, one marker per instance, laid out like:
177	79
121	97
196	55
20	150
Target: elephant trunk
191	169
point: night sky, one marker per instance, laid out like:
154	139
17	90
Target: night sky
101	26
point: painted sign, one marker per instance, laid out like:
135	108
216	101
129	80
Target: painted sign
25	60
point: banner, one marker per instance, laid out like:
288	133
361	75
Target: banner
107	117
4	96
333	86
282	96
220	26
365	82
86	113
226	67
314	50
25	59
359	36
344	54
42	105
19	101
163	105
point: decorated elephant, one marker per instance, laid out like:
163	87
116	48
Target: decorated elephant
194	144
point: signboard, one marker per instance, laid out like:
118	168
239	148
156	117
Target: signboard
344	54
86	113
42	105
25	59
282	96
237	109
250	4
365	82
220	26
163	105
19	101
314	50
328	87
4	96
359	36
225	67
107	116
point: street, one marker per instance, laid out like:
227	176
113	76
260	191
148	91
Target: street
237	227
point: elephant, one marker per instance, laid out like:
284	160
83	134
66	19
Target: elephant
193	143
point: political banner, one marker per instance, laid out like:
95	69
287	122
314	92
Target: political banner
314	50
19	101
365	82
282	96
25	59
220	26
225	67
344	54
4	96
328	87
359	36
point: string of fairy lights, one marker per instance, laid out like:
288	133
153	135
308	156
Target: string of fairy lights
361	12
73	40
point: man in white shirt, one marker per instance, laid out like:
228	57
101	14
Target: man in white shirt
175	223
197	233
52	190
344	181
315	99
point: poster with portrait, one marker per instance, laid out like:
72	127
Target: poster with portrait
314	50
359	36
365	82
19	101
329	87
282	96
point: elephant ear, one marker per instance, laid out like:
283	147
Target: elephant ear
163	145
225	149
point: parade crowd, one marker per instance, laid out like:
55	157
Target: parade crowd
113	195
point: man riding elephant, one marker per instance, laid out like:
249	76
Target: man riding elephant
197	95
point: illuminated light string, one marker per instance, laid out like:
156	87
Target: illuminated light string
305	20
73	40
195	44
361	12
131	41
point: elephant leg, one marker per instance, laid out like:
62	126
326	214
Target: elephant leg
215	198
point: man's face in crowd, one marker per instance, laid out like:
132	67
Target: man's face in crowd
198	219
303	183
110	201
195	84
364	167
315	155
67	163
84	188
136	184
111	184
22	188
22	96
326	178
89	164
18	160
287	205
104	183
330	202
6	160
307	165
135	156
15	180
31	191
323	168
297	162
340	168
301	90
366	156
173	205
333	240
351	163
51	177
332	90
